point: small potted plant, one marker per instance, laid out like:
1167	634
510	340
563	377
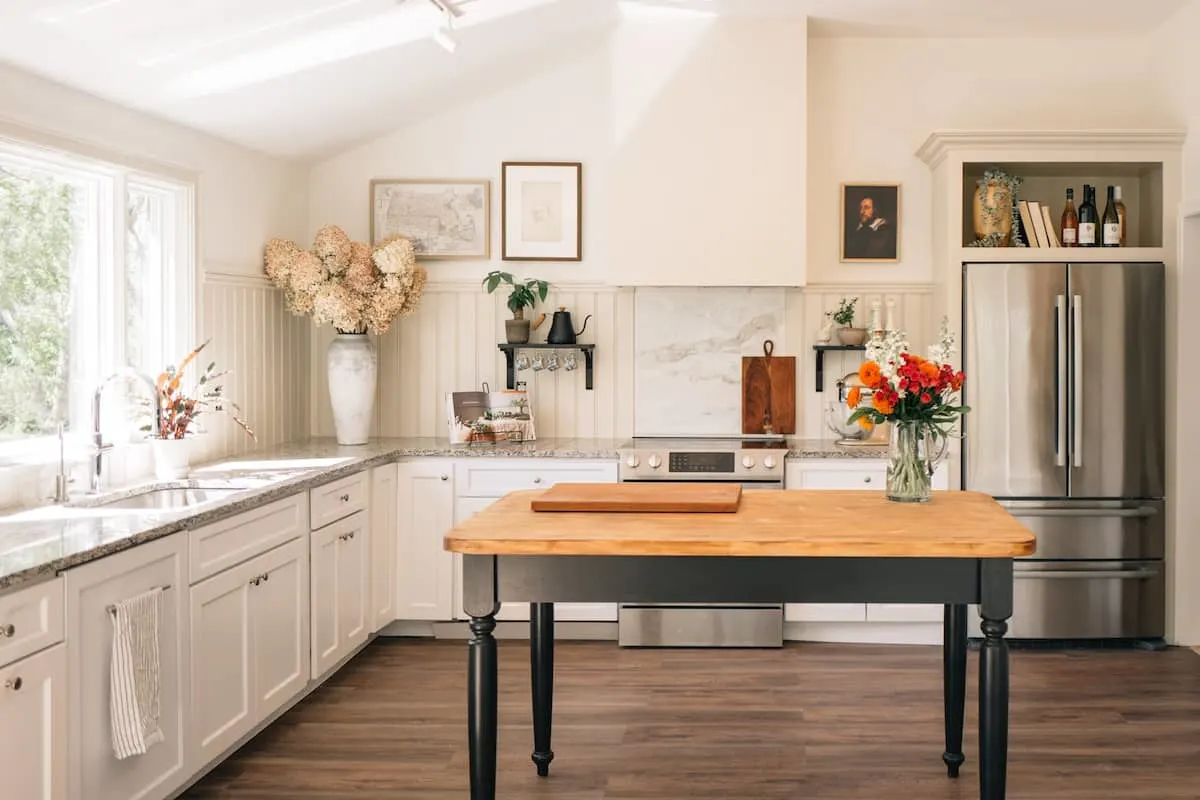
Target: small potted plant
844	316
174	414
524	294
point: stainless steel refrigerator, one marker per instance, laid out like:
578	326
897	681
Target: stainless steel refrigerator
1065	379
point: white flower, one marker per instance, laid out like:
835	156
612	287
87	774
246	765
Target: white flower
395	255
945	348
885	351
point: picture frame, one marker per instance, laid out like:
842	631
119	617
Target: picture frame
446	218
870	222
541	211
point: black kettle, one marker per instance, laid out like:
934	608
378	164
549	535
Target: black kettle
561	329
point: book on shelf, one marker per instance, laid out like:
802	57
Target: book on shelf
1050	232
1027	223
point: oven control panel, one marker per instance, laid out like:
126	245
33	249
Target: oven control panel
701	465
702	462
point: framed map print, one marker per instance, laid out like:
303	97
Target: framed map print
443	218
541	211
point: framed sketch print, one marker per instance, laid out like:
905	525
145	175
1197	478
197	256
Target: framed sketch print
541	211
443	218
870	222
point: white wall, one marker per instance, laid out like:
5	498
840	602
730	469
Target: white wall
873	101
243	198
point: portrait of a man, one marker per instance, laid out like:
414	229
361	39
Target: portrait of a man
870	222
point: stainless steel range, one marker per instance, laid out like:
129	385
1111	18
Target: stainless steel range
757	463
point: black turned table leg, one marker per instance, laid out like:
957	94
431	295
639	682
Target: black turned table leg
995	608
541	662
954	684
481	708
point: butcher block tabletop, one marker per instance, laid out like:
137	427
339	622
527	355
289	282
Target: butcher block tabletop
796	522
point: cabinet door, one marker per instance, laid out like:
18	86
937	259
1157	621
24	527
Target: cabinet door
382	537
33	726
222	682
279	627
95	773
424	569
339	591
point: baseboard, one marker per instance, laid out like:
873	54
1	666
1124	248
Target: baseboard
864	632
564	631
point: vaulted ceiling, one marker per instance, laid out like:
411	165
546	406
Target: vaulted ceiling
304	78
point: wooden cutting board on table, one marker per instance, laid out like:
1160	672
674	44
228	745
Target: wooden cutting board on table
768	392
638	497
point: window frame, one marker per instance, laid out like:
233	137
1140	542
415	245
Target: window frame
99	336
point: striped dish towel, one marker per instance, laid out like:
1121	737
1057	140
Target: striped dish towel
134	696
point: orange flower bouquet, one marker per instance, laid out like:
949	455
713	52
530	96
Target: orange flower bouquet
920	398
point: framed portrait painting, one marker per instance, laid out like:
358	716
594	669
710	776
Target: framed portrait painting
541	211
870	222
444	218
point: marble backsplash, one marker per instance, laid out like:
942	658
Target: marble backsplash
689	344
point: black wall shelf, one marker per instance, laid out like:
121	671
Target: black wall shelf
821	350
510	359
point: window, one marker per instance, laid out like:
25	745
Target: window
96	265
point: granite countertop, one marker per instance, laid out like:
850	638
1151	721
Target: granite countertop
39	543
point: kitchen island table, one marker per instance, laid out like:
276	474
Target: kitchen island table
816	546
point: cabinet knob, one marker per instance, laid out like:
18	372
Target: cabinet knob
345	498
537	480
256	581
445	477
867	479
8	631
14	683
266	576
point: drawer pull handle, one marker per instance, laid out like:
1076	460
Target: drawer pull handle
345	498
8	631
867	479
14	683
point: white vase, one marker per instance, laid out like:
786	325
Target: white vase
171	458
351	367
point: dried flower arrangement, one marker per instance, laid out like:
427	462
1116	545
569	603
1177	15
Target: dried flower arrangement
350	285
178	410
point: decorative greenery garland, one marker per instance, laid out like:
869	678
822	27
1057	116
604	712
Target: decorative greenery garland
1013	183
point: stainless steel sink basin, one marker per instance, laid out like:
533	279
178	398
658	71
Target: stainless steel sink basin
167	499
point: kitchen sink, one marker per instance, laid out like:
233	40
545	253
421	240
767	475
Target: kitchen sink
167	499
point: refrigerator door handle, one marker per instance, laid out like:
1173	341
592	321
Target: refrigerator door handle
1060	381
1077	373
1140	512
1088	574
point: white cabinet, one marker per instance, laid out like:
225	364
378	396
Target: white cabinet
854	473
340	590
480	482
33	726
250	645
384	521
425	513
31	619
95	773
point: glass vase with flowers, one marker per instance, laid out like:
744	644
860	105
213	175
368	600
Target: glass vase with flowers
920	399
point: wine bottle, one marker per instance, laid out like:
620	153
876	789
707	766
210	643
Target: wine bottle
1070	222
1121	214
1112	223
1087	218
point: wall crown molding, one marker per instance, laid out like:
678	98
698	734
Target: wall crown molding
940	143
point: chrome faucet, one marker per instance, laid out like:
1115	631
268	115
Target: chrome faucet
62	480
97	438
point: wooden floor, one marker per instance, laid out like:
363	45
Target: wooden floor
833	722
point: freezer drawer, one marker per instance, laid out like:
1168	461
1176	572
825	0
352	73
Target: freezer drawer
1082	600
1113	530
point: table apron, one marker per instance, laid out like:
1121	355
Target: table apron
489	580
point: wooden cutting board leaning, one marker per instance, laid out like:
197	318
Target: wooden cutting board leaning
769	392
644	497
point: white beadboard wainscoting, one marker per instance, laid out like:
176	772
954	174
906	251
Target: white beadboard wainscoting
265	347
449	344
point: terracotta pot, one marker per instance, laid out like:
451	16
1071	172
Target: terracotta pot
992	209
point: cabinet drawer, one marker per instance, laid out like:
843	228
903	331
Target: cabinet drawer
844	479
223	544
31	620
497	478
337	500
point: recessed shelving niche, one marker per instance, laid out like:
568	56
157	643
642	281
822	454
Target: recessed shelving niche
1141	185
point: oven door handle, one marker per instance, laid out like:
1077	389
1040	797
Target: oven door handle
1088	574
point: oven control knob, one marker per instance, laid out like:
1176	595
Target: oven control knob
654	461
632	461
748	462
769	462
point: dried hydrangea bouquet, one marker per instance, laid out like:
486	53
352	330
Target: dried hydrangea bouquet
355	288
